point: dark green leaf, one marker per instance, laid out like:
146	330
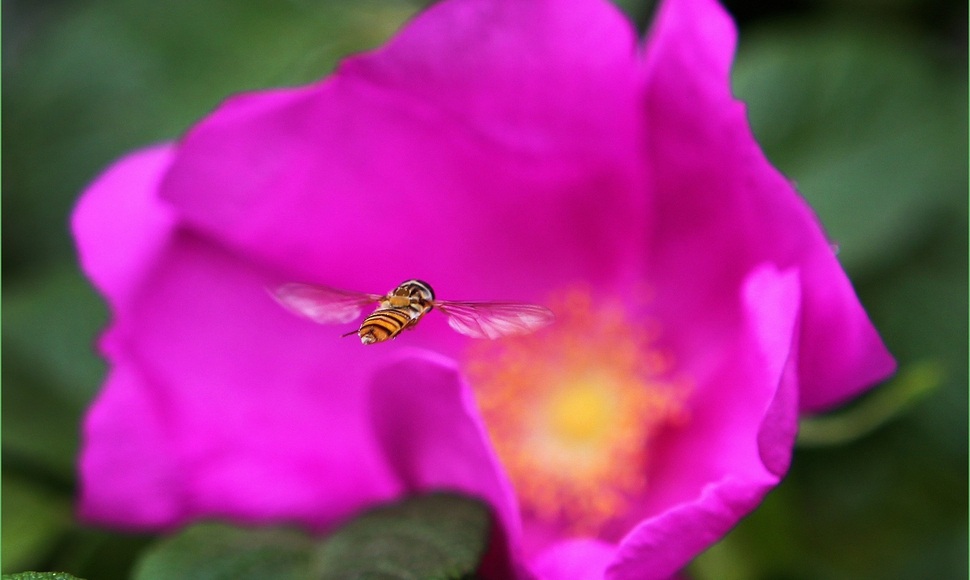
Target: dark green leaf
50	323
32	521
921	308
435	536
50	370
97	554
40	576
213	551
889	401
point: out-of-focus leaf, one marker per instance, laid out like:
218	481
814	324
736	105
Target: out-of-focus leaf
434	536
40	576
40	430
99	554
32	521
874	134
911	385
50	324
50	369
921	308
88	81
221	552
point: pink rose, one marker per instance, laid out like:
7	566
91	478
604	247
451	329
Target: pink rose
529	150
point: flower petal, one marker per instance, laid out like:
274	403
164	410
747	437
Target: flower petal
114	252
432	436
128	472
574	560
721	208
738	445
483	128
237	409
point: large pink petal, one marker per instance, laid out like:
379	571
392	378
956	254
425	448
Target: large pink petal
223	404
433	437
720	209
128	472
120	224
491	148
584	559
738	439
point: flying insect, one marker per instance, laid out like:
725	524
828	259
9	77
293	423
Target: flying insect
404	306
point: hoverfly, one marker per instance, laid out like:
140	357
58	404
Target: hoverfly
403	307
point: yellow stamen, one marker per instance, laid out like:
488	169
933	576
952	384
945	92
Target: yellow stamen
572	410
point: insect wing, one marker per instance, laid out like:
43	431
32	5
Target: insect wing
323	304
495	319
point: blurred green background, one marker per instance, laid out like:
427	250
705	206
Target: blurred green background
862	102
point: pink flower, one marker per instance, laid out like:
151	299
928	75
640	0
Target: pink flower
501	150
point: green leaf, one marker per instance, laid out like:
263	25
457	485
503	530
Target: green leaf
892	400
213	551
97	554
434	536
920	307
40	576
33	520
50	323
50	370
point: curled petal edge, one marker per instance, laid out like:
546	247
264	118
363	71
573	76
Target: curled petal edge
428	426
662	545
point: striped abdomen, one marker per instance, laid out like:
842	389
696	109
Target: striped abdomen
387	322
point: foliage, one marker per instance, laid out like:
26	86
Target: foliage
434	536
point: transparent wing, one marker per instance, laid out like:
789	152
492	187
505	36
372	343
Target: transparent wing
323	304
495	319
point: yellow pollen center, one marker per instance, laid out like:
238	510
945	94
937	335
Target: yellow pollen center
573	409
580	413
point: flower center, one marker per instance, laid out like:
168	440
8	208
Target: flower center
572	411
580	413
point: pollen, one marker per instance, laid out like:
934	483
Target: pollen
580	413
573	411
